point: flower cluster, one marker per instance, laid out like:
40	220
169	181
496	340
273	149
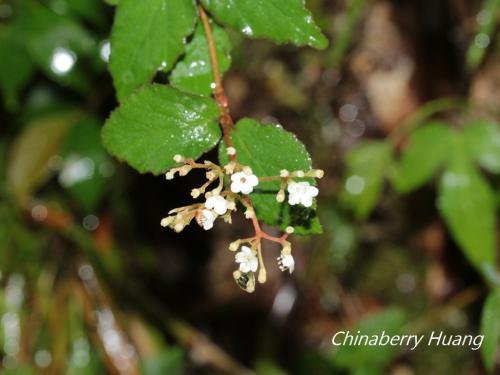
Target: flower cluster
226	189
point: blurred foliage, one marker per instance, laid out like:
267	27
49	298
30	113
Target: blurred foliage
90	285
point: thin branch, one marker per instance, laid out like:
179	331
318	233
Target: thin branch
225	118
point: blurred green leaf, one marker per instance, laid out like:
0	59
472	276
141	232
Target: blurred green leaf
55	42
427	150
194	72
490	328
282	21
147	37
372	359
28	167
366	166
85	165
467	204
483	142
16	69
487	19
268	149
157	122
169	361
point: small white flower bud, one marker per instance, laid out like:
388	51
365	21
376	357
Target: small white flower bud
230	167
284	173
178	227
289	230
319	173
231	151
231	205
233	246
249	213
280	197
166	221
211	175
178	158
195	193
300	173
170	174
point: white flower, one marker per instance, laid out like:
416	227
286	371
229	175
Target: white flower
244	181
301	193
247	259
218	204
207	218
286	262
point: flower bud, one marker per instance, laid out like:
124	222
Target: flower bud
280	197
233	246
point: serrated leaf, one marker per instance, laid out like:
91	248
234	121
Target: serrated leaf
156	123
283	21
194	72
427	150
267	149
371	359
467	204
483	143
16	69
146	37
366	167
85	164
490	328
28	166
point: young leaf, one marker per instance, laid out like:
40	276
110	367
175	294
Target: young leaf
282	21
490	328
467	204
146	37
194	73
28	167
366	166
483	143
267	149
426	151
157	122
86	164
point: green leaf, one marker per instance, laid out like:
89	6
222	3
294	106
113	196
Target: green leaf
157	122
194	73
86	164
371	359
483	143
146	37
427	150
467	204
283	21
490	328
28	167
267	149
16	69
366	166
